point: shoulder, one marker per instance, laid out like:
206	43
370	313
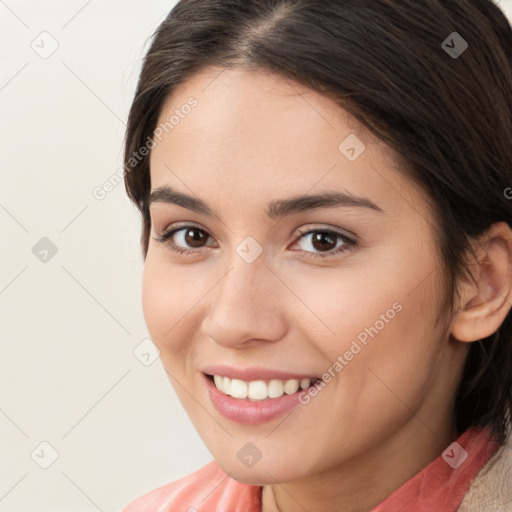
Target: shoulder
491	490
207	489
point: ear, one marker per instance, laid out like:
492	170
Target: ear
485	303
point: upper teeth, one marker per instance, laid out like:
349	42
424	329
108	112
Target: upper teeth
259	389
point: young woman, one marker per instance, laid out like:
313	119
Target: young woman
326	200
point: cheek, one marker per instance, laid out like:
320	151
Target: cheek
379	326
395	362
164	304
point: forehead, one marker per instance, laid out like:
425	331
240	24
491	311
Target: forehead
239	103
260	132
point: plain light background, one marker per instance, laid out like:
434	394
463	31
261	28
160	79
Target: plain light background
73	373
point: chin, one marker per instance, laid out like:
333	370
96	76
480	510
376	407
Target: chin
254	476
263	472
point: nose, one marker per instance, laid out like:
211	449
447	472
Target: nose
245	306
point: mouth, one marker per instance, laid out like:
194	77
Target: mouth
255	395
260	390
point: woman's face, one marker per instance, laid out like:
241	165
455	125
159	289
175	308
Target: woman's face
281	283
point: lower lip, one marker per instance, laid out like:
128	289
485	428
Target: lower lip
250	413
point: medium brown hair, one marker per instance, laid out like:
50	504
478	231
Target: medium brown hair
388	63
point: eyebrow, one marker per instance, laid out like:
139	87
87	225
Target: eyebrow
275	209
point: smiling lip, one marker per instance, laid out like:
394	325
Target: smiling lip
246	411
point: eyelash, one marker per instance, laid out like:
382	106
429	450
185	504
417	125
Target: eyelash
348	243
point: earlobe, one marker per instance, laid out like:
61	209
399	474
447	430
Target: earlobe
486	301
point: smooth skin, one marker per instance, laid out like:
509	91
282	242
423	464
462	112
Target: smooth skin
253	138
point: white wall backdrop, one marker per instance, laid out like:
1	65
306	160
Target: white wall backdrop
84	424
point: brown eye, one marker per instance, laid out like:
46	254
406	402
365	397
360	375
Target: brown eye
183	239
194	237
324	241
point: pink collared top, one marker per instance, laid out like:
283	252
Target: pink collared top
440	486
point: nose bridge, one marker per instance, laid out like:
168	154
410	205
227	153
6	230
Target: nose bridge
242	305
240	286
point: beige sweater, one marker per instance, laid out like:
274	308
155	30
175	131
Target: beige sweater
491	491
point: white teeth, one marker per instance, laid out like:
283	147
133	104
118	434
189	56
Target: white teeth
305	383
291	386
226	385
238	388
259	389
219	381
275	389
